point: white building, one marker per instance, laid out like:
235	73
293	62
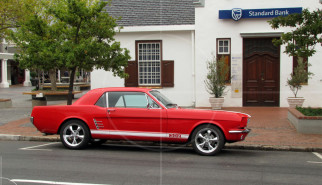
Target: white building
188	32
170	42
10	73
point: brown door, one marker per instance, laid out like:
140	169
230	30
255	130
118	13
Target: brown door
261	72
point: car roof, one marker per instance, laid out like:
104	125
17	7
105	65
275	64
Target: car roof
91	97
135	89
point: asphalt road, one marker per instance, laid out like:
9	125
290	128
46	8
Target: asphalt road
28	163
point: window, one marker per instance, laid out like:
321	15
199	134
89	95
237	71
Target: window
149	69
131	100
223	51
149	63
223	46
102	101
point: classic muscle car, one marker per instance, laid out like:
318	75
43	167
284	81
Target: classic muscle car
139	114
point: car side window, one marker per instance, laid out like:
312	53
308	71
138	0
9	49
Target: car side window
152	103
127	99
101	102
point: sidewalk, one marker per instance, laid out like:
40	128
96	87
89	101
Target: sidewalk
271	129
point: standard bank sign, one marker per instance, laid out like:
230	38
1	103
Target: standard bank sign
238	13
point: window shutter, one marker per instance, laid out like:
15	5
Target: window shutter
167	73
132	71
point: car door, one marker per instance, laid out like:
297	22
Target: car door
135	115
99	113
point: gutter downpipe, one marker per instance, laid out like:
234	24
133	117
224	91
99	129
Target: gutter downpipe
193	57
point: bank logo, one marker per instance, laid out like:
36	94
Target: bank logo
236	13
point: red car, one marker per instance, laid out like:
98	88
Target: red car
139	114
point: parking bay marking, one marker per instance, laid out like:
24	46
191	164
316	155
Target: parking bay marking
37	147
51	182
319	156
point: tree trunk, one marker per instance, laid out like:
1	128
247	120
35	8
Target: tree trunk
71	86
53	79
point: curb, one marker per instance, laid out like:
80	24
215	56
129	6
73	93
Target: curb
8	137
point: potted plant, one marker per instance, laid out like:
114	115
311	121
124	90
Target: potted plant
216	81
295	82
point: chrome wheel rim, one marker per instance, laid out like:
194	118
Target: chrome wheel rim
73	135
207	140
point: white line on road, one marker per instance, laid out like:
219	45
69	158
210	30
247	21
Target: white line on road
318	155
37	147
316	162
51	182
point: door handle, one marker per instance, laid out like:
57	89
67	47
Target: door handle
110	110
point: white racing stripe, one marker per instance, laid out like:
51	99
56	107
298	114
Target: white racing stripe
37	147
52	182
140	134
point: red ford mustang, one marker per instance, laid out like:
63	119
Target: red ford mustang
139	114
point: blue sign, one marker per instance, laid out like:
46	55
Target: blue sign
238	13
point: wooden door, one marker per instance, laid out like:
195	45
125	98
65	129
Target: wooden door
261	72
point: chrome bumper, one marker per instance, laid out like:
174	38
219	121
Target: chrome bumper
240	131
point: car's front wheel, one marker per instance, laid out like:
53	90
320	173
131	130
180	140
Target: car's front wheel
207	140
74	134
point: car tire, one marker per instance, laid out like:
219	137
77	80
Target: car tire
74	134
97	142
207	140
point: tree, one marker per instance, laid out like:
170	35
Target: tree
299	76
39	39
85	39
306	33
89	38
14	11
216	76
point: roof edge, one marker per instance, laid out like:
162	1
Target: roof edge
158	28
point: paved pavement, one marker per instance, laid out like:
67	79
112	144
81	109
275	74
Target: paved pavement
271	129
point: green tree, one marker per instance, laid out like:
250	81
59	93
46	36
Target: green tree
299	76
39	39
306	32
84	39
14	11
216	76
89	38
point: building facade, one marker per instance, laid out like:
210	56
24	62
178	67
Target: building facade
187	33
11	74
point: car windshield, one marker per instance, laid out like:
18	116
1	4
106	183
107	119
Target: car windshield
163	99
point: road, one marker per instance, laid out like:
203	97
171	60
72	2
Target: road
27	163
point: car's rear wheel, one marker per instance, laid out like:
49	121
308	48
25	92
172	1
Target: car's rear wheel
207	140
74	134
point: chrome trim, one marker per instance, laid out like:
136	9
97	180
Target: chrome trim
98	124
239	131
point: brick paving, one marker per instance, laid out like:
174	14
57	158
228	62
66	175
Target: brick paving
271	129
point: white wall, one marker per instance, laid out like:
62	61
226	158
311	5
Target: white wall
209	27
176	45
